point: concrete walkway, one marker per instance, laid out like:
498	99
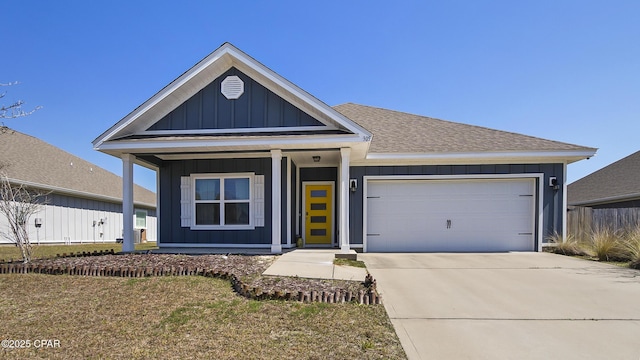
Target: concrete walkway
315	264
509	306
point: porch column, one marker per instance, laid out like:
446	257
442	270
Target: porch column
276	201
127	203
344	199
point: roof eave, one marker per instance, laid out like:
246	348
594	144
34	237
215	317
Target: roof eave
76	193
503	157
607	200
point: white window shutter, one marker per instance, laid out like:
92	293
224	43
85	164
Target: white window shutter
258	200
185	201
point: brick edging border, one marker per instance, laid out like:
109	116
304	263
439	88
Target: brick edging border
369	297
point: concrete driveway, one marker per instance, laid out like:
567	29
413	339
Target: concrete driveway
509	306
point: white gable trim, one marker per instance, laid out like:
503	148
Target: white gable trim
209	69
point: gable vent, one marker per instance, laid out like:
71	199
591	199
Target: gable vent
232	87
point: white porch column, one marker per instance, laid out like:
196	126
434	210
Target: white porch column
127	203
276	201
344	199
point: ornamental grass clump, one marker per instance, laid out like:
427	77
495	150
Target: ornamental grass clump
569	246
607	245
632	246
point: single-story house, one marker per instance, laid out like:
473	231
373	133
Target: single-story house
83	201
607	198
614	186
247	159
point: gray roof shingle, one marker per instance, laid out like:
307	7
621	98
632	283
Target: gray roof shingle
28	159
619	181
399	132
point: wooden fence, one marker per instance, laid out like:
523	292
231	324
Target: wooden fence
582	221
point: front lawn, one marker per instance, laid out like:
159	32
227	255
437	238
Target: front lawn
10	251
181	317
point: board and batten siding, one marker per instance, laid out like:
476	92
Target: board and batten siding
170	224
257	107
69	219
552	206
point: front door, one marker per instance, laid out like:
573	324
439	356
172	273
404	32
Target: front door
318	213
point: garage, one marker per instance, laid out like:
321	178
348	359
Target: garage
450	215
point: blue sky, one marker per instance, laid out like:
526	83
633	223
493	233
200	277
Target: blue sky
565	70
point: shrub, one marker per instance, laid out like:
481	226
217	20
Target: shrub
569	246
608	246
632	246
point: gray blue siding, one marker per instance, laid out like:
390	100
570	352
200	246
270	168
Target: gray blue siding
170	228
258	107
552	206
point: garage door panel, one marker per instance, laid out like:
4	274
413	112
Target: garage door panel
450	215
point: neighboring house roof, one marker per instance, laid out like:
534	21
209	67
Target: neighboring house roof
616	182
33	162
396	133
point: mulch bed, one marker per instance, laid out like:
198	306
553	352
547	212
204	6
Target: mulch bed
245	273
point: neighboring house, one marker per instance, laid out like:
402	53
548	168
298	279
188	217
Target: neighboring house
246	159
614	186
84	201
607	198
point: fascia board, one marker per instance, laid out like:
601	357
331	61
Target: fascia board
319	140
573	155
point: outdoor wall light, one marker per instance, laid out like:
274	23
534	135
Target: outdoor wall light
553	183
316	158
353	185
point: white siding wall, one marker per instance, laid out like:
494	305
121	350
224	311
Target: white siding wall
71	219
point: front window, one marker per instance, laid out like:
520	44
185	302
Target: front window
222	201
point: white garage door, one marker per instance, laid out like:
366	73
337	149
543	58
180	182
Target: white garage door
450	215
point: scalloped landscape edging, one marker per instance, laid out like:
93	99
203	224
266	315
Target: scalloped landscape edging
370	297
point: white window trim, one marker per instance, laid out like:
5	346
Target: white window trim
222	176
135	218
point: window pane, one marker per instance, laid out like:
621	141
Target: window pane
318	232
322	206
236	214
141	219
207	189
318	193
207	214
236	189
319	219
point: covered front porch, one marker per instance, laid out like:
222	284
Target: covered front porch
292	177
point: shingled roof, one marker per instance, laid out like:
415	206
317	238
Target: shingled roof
399	132
31	161
617	182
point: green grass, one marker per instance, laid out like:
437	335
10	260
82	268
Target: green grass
348	262
182	317
46	251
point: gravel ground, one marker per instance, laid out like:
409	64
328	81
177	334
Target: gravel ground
247	268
